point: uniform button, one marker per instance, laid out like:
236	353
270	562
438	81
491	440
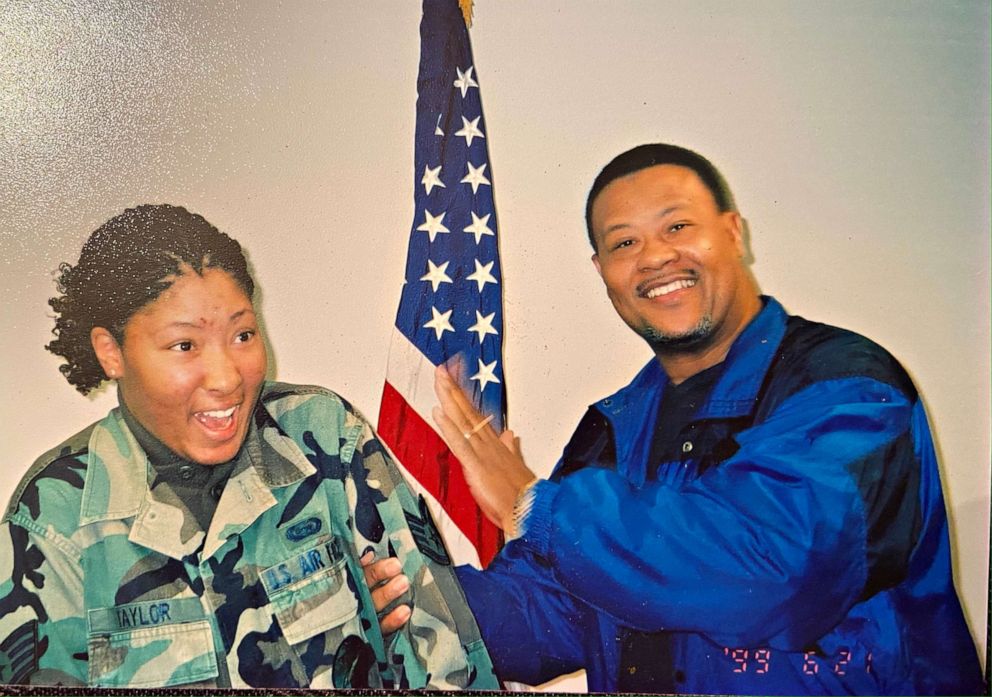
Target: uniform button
186	473
216	491
687	446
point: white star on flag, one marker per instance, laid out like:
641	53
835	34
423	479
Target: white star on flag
432	178
475	176
479	227
486	374
439	322
436	274
465	80
483	325
432	225
481	274
469	130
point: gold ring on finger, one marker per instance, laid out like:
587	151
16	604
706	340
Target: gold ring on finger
478	427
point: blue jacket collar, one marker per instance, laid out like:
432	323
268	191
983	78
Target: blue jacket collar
631	410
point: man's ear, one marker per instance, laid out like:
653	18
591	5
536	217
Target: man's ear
595	262
108	352
736	229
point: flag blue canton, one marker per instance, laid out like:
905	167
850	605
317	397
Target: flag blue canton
451	303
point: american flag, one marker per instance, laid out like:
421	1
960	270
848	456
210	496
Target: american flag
451	304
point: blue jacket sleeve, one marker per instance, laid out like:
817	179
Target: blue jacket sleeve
769	548
533	629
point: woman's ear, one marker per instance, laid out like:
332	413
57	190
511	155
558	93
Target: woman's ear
108	352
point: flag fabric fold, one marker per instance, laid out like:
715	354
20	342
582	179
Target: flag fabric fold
451	302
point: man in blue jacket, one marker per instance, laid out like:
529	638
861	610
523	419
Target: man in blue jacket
759	511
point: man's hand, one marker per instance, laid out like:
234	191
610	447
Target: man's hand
385	579
494	469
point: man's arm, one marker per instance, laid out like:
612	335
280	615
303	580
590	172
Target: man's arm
534	630
771	547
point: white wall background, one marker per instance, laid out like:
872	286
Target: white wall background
855	136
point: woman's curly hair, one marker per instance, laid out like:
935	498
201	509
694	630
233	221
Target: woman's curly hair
125	264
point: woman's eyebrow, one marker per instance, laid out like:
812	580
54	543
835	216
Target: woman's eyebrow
194	325
241	313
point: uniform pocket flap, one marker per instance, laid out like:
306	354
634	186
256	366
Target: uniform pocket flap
158	655
309	593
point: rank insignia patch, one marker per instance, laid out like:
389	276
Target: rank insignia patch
426	534
19	654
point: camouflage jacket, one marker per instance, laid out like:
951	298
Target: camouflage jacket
102	584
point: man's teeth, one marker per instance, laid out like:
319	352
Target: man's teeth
670	288
218	414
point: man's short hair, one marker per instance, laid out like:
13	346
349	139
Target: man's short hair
649	155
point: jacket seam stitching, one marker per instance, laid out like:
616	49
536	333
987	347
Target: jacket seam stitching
61	542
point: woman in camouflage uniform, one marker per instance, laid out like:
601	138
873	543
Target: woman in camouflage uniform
210	530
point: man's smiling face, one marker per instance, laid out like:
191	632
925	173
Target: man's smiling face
671	260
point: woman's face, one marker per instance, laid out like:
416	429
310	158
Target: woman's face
192	365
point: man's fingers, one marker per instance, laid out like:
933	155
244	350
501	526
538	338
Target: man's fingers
472	416
377	572
455	368
452	434
458	415
455	406
389	592
458	408
512	443
387	585
395	620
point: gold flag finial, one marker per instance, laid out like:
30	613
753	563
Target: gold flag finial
466	7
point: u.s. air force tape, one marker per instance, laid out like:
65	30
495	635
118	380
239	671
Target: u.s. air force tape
150	613
302	565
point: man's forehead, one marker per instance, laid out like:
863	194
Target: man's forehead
667	186
658	177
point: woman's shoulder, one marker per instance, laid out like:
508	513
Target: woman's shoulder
289	402
54	482
319	420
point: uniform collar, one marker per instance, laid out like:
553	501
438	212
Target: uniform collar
117	486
